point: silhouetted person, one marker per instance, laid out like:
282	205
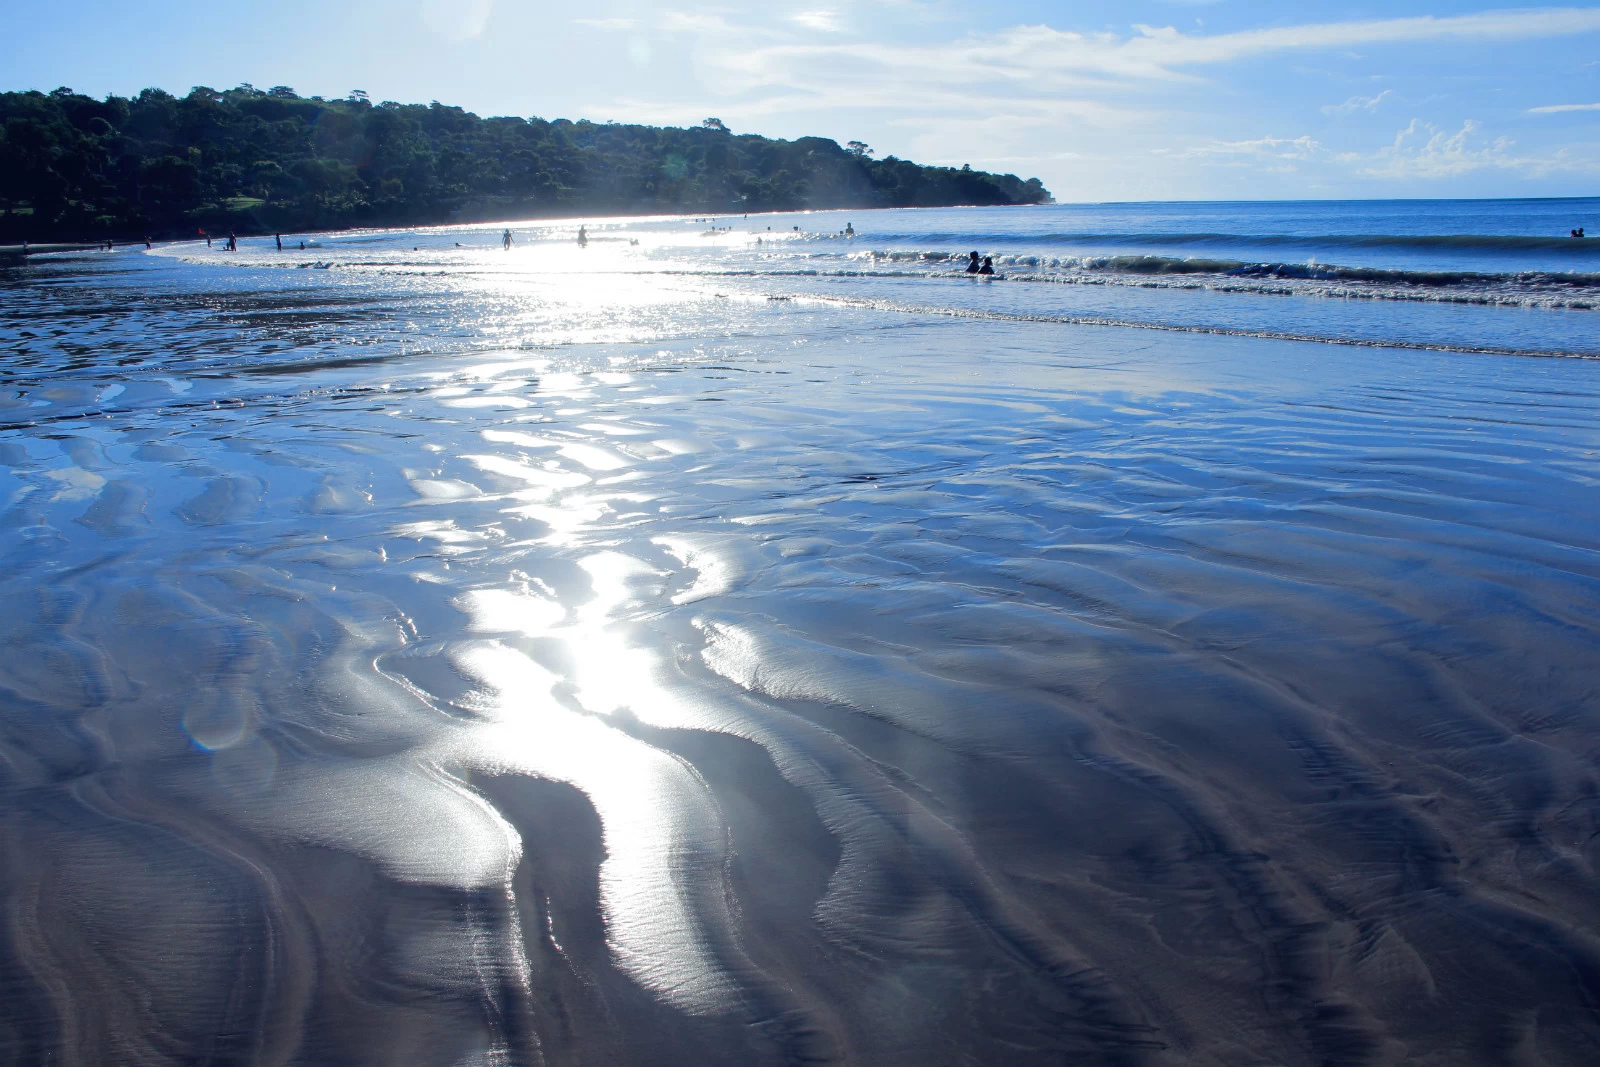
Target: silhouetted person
147	241
583	236
972	263
505	240
988	265
279	236
849	229
233	242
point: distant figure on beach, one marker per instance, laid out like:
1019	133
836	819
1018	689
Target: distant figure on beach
233	242
208	240
279	236
583	236
147	240
972	263
988	265
505	240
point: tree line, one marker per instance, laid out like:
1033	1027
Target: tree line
76	168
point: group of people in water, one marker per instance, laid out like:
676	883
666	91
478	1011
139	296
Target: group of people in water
975	267
232	243
583	239
1578	232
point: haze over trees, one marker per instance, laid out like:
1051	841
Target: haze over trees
73	167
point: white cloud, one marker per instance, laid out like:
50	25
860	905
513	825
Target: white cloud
1423	150
1551	109
1420	151
1358	103
817	20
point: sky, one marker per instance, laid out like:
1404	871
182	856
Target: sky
1102	99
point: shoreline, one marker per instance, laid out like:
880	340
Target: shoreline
18	252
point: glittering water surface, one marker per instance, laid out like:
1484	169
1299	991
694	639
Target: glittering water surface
477	661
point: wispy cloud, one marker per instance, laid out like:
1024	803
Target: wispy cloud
1358	103
817	20
1169	48
1275	147
607	24
1039	59
693	22
1551	109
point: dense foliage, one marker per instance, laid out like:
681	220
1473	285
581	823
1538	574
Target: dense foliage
72	167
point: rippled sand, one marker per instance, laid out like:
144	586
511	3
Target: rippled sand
959	693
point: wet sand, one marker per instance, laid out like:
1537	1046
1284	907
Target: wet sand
1106	698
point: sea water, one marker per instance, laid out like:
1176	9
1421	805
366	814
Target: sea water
754	640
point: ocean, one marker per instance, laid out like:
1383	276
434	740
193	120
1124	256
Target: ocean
753	640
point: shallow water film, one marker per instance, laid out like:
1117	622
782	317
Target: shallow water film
474	662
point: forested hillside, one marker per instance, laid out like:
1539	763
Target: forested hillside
73	167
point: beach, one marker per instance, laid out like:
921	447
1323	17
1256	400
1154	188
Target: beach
707	652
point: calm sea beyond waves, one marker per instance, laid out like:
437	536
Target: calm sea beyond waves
757	641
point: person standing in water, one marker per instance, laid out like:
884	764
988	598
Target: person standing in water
988	265
849	229
583	236
279	236
972	263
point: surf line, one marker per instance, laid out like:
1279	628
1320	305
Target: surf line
1222	331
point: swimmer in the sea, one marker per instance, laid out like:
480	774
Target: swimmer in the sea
988	265
972	263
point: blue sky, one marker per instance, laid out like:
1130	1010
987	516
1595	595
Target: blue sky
1131	100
